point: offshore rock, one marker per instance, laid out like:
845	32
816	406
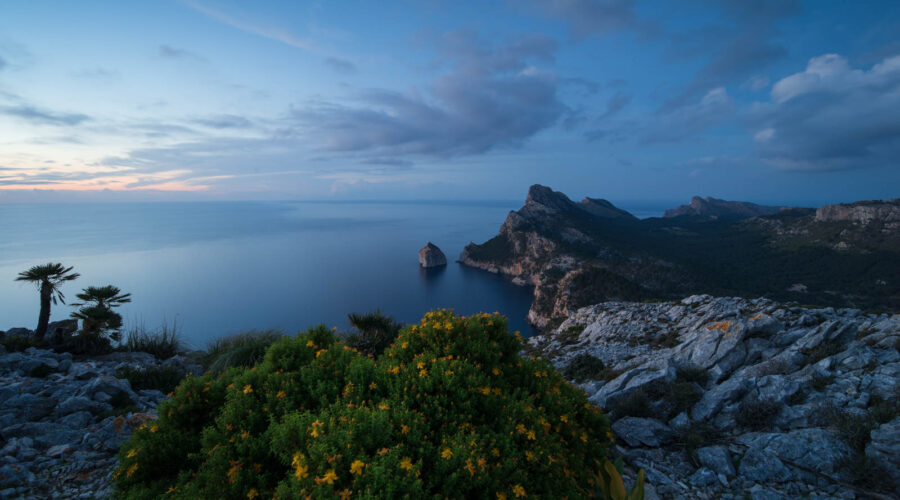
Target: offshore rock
432	256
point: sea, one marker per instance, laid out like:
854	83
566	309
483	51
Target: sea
216	268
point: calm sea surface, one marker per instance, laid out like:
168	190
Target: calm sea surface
219	268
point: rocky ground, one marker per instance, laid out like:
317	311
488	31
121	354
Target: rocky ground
737	398
62	420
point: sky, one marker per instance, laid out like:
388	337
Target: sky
773	101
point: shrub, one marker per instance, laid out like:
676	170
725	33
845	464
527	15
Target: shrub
822	351
376	332
18	343
692	373
819	382
583	367
243	349
636	404
162	343
450	409
698	435
757	414
160	378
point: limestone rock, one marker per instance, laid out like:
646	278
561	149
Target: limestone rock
432	256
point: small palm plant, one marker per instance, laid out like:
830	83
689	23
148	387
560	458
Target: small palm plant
376	331
48	278
96	313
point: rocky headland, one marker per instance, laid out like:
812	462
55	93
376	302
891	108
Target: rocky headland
739	398
577	254
64	417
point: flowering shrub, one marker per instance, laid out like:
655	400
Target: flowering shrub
450	410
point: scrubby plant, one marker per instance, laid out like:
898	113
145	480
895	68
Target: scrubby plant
162	343
160	378
635	404
820	381
375	332
243	349
692	373
97	313
18	343
822	351
449	410
697	435
757	414
584	367
613	487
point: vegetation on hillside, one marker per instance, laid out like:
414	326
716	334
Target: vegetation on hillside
450	409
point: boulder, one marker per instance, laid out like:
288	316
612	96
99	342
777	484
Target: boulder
885	445
432	256
642	431
717	459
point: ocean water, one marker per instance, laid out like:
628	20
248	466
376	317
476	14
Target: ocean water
223	267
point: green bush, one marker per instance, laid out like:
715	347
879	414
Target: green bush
584	367
162	343
18	343
692	373
243	349
757	414
160	378
449	410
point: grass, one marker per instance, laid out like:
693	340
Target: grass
163	379
583	367
692	373
162	343
757	414
240	349
698	435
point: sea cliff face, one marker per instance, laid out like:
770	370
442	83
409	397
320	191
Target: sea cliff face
576	254
717	397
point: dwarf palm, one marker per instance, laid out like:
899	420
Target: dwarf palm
97	303
48	278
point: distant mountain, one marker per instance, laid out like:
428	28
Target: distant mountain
722	209
576	254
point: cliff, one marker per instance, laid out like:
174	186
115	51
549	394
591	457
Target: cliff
575	254
721	209
714	397
863	212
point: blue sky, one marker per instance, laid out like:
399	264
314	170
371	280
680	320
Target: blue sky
771	101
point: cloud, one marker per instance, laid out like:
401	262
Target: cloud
832	116
39	116
589	17
738	47
616	103
272	33
690	119
491	96
339	65
170	52
224	122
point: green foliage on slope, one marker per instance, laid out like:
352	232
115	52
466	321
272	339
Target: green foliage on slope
449	410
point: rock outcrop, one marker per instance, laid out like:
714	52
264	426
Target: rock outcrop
862	212
735	398
432	256
62	420
722	209
577	254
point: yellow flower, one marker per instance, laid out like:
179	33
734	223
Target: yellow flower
496	371
329	477
529	455
248	389
132	453
383	406
564	418
420	365
131	470
171	489
315	429
404	345
448	326
373	386
310	343
520	428
406	464
383	451
321	352
423	373
345	494
357	467
245	434
531	435
518	491
281	395
501	496
154	428
233	471
447	453
495	452
253	493
404	429
485	390
394	369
